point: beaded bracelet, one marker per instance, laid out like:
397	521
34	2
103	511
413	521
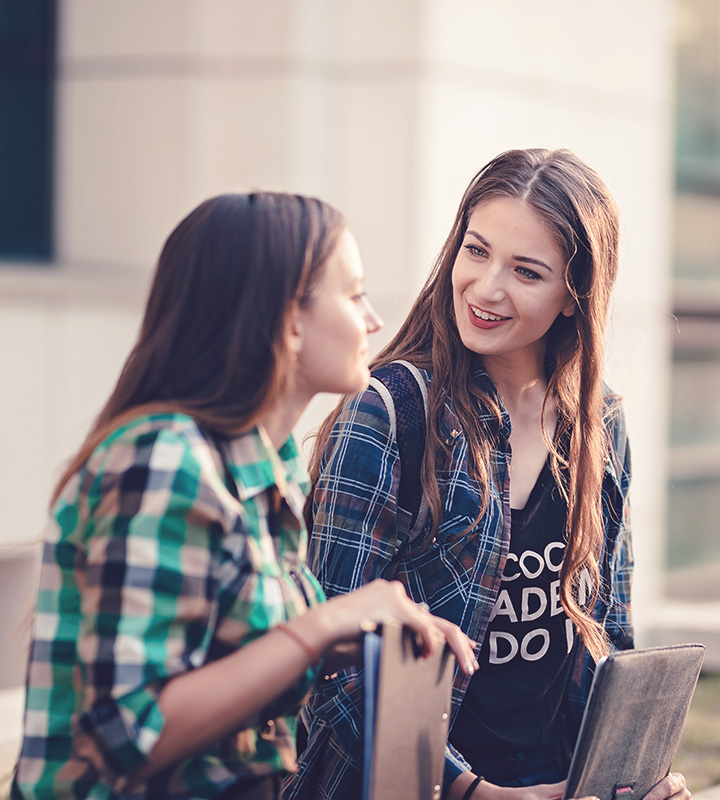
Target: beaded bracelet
312	653
472	787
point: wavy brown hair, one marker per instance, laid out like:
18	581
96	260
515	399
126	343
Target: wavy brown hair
212	342
581	213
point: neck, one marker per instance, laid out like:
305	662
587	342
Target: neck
280	419
517	379
523	388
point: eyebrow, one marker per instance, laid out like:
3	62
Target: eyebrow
523	259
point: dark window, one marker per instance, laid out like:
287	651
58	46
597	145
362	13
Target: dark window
27	72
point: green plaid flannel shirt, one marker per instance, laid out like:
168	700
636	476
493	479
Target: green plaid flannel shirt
169	549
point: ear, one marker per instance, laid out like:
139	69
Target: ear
569	309
294	332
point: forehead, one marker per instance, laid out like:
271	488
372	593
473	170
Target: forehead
512	220
345	264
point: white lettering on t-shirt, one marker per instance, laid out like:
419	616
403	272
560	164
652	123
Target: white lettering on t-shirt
569	634
537	602
495	657
527	593
525	650
584	587
539	567
548	550
555	602
503	605
507	578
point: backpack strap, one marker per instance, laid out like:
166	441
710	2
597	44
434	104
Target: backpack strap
404	392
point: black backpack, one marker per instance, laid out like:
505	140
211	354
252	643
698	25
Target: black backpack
403	390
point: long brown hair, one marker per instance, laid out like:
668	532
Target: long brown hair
212	342
582	214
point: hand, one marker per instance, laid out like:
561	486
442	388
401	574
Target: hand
543	791
490	791
671	786
350	614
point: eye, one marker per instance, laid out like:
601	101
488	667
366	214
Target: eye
475	250
528	274
358	296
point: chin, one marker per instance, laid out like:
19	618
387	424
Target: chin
361	381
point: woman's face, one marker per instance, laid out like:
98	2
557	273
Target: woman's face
332	329
508	281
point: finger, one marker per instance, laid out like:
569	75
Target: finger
417	618
553	791
461	646
673	785
423	624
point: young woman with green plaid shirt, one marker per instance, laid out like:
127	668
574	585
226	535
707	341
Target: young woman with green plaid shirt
177	627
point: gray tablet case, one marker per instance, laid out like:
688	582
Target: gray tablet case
633	721
407	710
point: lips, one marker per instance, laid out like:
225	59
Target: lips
484	319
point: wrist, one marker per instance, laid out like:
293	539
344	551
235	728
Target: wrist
470	791
464	786
316	628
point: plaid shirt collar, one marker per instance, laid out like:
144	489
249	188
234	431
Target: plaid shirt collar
255	465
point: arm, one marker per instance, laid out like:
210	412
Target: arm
355	534
354	501
618	621
489	791
148	599
204	705
153	541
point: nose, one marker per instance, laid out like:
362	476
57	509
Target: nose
489	286
373	321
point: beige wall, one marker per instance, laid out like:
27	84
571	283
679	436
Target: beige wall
384	107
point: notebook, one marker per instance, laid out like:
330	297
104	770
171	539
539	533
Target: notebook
633	721
407	714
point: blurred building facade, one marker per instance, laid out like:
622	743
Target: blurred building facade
386	108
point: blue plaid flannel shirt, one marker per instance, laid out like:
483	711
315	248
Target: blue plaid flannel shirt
355	540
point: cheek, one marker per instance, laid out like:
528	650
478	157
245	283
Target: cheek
458	288
455	277
356	322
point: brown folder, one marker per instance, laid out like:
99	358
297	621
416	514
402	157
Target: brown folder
633	721
407	709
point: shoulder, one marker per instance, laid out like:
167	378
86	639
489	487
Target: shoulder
616	432
159	455
161	441
613	415
401	377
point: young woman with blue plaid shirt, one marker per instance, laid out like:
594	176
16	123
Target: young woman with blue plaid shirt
525	472
177	626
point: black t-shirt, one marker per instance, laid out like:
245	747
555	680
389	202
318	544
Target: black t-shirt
515	701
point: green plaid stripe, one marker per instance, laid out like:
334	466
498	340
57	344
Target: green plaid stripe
186	547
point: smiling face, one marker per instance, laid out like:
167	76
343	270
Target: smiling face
331	329
508	282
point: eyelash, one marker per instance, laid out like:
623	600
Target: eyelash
530	274
474	250
359	296
479	252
